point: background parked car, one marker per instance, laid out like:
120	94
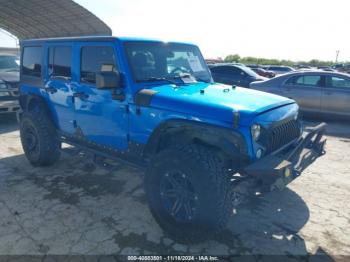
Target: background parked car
315	91
302	67
326	68
279	70
9	81
234	75
263	72
343	68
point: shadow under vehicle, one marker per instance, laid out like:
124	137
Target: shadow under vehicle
258	227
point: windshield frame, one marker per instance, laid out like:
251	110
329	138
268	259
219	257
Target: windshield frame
175	78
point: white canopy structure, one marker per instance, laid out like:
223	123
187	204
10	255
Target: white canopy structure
29	19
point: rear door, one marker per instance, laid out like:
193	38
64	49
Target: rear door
57	85
336	95
306	90
99	118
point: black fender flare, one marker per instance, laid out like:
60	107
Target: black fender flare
229	141
29	102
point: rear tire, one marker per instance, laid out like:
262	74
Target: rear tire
39	138
206	199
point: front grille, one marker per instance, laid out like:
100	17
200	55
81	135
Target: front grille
282	135
7	96
14	89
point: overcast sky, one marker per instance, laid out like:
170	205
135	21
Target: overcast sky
283	29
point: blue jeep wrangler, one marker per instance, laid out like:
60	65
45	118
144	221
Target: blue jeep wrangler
205	146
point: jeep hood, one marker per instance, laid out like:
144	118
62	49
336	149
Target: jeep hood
216	101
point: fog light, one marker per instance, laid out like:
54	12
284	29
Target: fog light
259	153
287	172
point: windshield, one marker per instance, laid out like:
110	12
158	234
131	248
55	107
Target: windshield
154	61
9	63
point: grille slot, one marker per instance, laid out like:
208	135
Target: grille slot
282	135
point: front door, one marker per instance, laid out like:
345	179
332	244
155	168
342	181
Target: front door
99	118
306	90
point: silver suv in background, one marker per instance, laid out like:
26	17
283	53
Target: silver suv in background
9	81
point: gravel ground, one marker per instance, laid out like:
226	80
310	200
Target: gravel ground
75	207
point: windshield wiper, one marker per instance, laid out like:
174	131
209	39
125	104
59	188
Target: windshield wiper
189	76
183	78
154	79
202	80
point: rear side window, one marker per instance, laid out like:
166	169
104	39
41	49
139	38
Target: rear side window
311	80
32	61
92	60
60	61
338	82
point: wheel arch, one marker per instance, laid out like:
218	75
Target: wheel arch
32	102
28	102
228	141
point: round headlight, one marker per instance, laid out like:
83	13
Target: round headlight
2	85
256	131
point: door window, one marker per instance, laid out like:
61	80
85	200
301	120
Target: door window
308	80
338	82
60	61
32	60
93	58
234	71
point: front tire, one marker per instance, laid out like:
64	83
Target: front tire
188	192
39	138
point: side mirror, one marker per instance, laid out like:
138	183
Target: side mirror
108	80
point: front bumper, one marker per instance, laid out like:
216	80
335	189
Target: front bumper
9	106
278	169
9	100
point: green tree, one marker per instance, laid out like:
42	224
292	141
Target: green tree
269	61
232	58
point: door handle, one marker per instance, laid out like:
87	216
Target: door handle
50	90
80	95
329	92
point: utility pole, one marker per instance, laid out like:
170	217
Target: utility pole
336	56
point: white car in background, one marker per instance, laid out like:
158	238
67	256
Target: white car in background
9	83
